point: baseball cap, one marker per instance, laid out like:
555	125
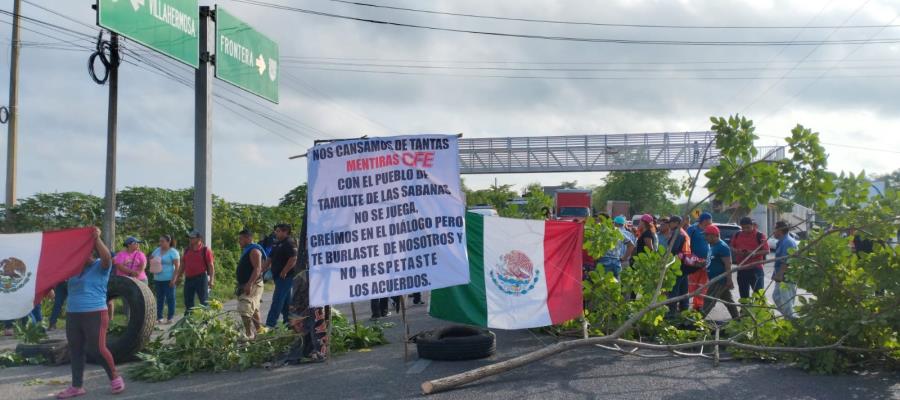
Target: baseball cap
195	234
620	220
647	218
131	240
711	230
746	221
705	216
676	219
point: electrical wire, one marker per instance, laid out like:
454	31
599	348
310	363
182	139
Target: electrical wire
594	78
569	69
574	39
562	22
103	47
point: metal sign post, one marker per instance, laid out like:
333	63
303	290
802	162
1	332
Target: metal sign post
109	213
202	130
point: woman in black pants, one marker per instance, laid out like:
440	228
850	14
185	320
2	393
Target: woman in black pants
87	320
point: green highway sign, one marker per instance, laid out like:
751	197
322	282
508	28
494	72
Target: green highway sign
246	58
171	27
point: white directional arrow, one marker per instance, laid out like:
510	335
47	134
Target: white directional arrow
137	4
261	64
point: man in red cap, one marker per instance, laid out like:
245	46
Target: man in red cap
719	263
749	246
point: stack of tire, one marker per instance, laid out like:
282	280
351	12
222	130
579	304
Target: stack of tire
455	343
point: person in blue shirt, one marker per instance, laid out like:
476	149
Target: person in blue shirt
87	320
784	292
167	260
719	263
613	259
697	233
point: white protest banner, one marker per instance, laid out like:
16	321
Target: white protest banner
385	218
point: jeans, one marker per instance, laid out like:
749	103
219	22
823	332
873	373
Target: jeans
195	285
612	265
750	279
784	295
165	296
680	288
62	293
281	298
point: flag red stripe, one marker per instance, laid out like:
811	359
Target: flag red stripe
63	254
562	263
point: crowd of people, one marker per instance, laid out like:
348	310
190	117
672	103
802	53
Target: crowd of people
705	255
88	311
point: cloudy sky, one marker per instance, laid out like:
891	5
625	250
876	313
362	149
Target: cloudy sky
848	92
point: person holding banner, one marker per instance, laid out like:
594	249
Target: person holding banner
249	282
87	320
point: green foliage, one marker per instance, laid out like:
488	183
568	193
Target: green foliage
759	326
608	307
737	178
13	359
54	211
600	236
648	191
29	332
296	198
344	337
496	196
810	182
209	340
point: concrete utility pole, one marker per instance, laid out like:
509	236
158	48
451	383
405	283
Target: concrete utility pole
109	214
13	139
202	128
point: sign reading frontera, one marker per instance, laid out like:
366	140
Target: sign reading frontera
385	218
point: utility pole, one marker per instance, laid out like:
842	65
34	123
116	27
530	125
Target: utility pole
202	126
109	214
13	139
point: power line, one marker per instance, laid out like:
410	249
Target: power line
575	39
289	58
593	78
813	50
570	69
845	145
603	24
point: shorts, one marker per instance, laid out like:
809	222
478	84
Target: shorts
248	305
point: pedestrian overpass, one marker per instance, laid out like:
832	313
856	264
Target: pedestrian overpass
587	153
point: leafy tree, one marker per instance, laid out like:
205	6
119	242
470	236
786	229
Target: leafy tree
648	191
496	196
295	198
48	211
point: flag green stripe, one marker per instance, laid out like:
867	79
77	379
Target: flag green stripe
466	304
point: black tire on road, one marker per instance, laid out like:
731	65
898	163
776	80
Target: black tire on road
455	343
141	312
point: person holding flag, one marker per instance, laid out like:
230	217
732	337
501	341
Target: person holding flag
87	320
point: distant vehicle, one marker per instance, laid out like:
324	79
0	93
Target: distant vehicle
726	231
485	210
773	242
573	204
617	207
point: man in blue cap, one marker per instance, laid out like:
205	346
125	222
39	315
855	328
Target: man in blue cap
613	259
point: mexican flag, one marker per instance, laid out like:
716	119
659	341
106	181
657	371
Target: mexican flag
33	263
524	274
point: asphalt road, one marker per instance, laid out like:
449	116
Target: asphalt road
382	374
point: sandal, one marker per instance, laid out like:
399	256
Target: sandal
117	385
71	392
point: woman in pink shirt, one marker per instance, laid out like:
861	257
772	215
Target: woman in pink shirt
131	261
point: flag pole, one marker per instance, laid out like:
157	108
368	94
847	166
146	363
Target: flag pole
405	328
353	312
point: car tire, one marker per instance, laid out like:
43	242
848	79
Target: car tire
455	343
141	305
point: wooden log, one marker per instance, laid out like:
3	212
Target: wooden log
442	384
